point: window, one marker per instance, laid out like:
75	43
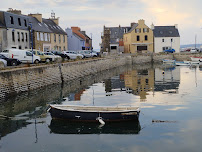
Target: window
25	22
64	48
54	37
18	36
22	34
138	30
59	39
48	37
19	22
28	54
163	40
13	36
145	30
20	47
145	37
63	38
87	40
41	36
171	40
26	37
138	38
113	47
38	36
45	36
11	18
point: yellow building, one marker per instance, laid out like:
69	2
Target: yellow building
139	38
140	82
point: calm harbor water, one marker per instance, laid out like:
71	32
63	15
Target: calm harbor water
170	100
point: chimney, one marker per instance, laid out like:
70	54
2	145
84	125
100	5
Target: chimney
75	29
56	20
18	12
176	26
37	16
131	24
83	32
152	27
141	22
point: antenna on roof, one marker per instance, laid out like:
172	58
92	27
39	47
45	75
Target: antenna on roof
52	15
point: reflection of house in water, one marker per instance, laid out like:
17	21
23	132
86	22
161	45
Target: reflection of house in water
75	96
167	79
139	82
116	83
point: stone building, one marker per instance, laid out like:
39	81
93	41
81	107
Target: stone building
14	30
112	39
166	37
139	38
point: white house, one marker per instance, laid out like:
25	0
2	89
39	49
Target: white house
166	37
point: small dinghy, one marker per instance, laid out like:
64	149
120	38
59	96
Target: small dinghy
94	113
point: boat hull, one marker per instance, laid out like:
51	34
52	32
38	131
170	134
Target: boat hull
93	116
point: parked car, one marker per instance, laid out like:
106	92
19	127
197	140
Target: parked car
53	56
10	61
43	57
4	62
194	50
73	55
62	55
88	53
22	55
169	51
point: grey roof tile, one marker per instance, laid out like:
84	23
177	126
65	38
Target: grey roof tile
133	27
166	31
38	26
53	26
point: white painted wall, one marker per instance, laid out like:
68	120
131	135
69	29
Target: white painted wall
159	44
17	43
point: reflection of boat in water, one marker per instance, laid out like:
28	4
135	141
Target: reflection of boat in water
94	113
168	61
68	127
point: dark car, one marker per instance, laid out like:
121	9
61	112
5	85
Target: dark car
60	54
10	61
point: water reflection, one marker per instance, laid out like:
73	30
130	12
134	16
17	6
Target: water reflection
66	127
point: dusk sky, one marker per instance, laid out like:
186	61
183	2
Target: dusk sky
92	15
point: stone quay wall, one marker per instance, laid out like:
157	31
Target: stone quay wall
15	81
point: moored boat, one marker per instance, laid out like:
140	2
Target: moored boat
196	59
94	113
182	63
168	61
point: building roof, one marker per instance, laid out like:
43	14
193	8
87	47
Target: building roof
166	31
80	38
84	33
23	19
53	26
1	24
38	26
133	27
116	33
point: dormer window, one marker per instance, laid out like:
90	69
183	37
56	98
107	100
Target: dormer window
137	30
25	22
11	18
19	22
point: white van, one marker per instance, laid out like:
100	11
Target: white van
22	55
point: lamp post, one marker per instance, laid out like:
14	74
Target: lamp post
30	26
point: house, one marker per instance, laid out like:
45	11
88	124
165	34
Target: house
58	35
82	34
48	35
112	39
14	30
166	37
139	38
75	42
41	33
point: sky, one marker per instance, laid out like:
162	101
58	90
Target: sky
92	15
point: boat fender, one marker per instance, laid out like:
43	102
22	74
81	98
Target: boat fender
49	109
163	72
100	120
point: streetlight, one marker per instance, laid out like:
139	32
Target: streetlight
30	28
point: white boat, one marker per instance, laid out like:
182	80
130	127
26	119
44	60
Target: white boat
168	61
182	63
196	59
